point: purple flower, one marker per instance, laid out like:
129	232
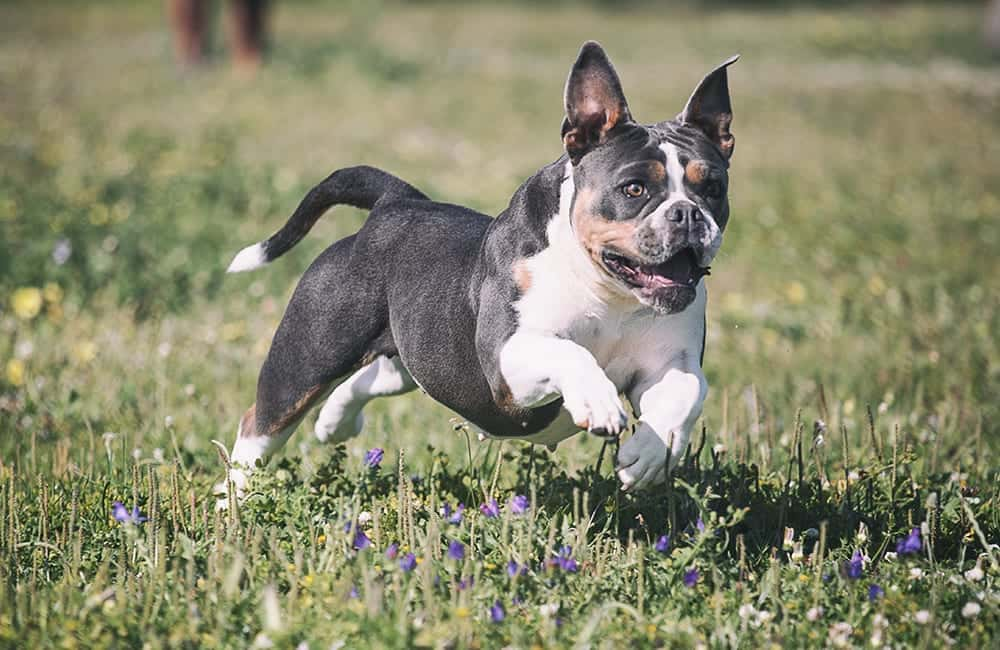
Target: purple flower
691	577
516	600
456	550
453	517
490	509
519	504
663	544
910	544
465	583
361	541
122	514
392	551
408	562
564	560
854	567
374	457
513	569
875	592
354	592
700	525
496	612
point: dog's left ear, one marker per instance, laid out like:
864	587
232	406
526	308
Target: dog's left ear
595	103
709	108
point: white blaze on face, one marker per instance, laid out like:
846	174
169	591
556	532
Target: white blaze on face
712	239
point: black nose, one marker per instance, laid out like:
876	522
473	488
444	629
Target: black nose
684	213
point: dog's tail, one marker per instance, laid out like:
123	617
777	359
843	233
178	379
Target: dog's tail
362	187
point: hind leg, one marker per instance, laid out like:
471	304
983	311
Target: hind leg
335	323
341	417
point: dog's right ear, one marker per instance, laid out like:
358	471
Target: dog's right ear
595	103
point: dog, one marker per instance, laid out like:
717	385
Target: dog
530	325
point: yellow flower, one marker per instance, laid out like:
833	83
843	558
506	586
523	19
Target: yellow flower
321	539
795	292
84	351
53	292
26	302
307	580
15	372
462	612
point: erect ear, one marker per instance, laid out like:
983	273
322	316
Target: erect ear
709	108
595	103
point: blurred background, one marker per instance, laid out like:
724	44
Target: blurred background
859	268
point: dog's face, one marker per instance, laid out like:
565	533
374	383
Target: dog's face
650	202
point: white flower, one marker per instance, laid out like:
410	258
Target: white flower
916	573
549	609
137	453
364	517
814	614
158	455
923	617
764	617
168	421
971	609
880	621
890	556
719	448
163	349
840	634
862	533
746	610
789	539
975	574
797	554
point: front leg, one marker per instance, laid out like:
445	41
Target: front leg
539	368
667	406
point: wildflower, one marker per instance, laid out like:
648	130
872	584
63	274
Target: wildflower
122	514
862	534
890	556
456	550
26	302
789	539
875	592
374	457
408	562
691	577
663	544
840	634
854	567
548	610
814	614
763	618
392	551
565	560
514	569
496	612
490	509
910	544
700	525
975	574
465	583
798	554
971	609
364	517
61	251
452	516
923	617
519	504
361	541
15	372
916	573
354	592
747	610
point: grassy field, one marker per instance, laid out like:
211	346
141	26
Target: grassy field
852	351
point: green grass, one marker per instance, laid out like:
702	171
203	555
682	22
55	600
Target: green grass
857	288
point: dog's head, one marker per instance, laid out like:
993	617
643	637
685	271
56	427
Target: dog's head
650	201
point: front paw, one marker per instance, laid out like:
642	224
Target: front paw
594	405
642	460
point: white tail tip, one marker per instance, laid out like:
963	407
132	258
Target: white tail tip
248	259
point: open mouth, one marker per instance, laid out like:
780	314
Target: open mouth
681	270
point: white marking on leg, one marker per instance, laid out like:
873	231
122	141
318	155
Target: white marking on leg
249	258
341	417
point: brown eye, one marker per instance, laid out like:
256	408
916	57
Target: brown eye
634	190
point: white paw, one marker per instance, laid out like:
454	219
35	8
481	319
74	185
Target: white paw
593	402
239	479
642	460
338	429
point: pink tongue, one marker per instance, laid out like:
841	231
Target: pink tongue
677	269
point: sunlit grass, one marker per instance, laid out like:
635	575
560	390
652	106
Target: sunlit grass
852	349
